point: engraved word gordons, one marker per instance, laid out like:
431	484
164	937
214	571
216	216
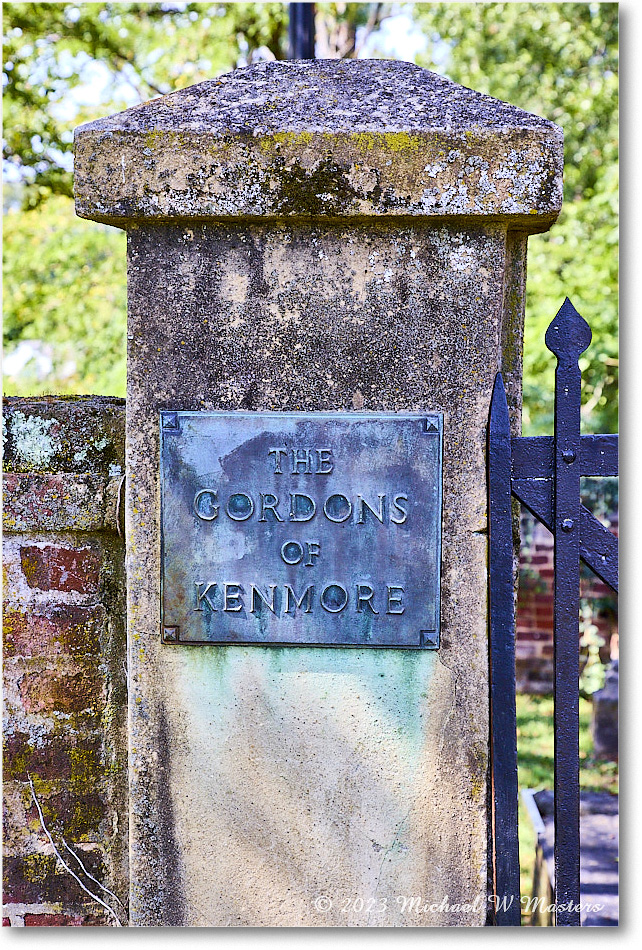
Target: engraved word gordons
266	507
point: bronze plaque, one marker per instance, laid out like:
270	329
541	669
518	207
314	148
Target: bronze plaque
301	528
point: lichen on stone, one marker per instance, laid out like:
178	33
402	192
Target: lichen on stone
33	443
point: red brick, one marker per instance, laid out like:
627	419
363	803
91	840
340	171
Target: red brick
56	568
524	650
59	629
544	610
6	922
75	816
35	879
534	635
58	758
52	920
526	618
524	622
49	691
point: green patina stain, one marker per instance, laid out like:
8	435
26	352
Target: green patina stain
393	684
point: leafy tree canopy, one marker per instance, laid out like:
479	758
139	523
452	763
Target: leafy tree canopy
67	63
560	61
64	303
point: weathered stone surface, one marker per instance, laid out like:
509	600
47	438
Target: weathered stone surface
325	138
75	434
281	787
63	463
60	502
314	318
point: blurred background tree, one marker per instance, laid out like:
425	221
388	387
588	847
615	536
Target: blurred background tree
67	63
558	60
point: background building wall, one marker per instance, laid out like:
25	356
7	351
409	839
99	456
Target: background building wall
534	641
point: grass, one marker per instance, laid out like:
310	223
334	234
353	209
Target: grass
535	767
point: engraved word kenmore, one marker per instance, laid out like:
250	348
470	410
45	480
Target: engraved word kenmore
301	529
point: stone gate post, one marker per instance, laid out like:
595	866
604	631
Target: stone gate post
341	237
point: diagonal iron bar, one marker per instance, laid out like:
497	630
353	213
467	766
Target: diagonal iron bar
598	546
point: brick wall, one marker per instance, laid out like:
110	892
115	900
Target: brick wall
534	641
65	782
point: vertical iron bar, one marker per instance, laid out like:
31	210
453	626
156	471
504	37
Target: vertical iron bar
503	728
567	337
301	31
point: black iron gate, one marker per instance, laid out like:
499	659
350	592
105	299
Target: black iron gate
544	474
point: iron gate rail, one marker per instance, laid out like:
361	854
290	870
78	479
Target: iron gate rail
544	475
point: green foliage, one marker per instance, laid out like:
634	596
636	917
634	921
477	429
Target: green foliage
558	61
579	260
67	63
57	55
64	286
601	496
51	51
341	29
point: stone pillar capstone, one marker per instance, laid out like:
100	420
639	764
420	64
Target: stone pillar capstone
339	237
